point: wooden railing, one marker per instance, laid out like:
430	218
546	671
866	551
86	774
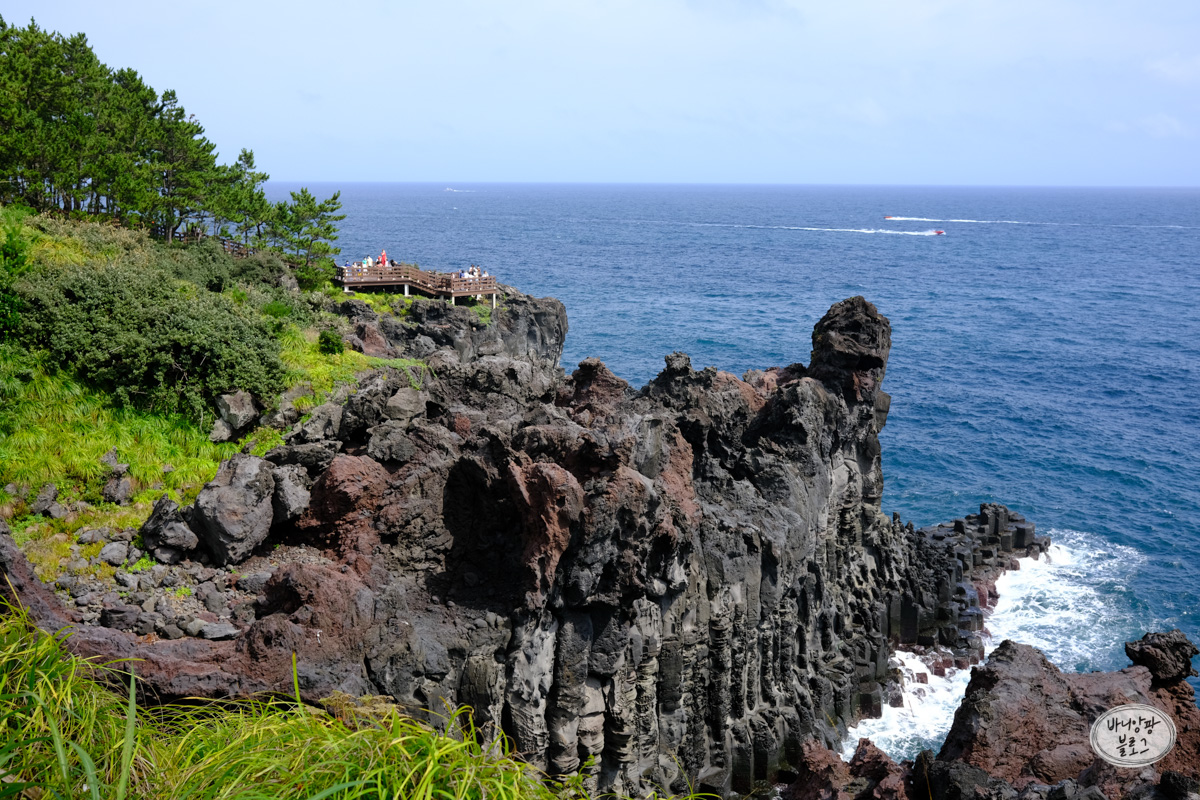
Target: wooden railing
435	283
231	246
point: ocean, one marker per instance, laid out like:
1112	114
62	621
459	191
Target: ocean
1045	354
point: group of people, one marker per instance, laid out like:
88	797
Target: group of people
473	273
369	262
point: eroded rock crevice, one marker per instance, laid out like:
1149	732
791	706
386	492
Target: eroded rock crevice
685	582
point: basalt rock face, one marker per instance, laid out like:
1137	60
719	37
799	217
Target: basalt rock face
683	582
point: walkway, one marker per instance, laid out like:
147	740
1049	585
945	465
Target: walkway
434	284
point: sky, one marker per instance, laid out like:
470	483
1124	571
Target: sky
929	92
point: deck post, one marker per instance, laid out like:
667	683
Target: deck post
406	290
493	301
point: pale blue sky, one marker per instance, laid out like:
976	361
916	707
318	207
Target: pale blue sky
1029	92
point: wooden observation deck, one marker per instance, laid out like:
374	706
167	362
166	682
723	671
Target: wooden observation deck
448	285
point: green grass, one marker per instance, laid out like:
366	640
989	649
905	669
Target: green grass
483	311
307	364
382	302
67	729
54	429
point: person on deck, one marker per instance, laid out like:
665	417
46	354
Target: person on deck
383	261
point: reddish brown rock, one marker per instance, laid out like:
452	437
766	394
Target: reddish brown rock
880	778
821	775
1024	721
373	341
550	501
595	389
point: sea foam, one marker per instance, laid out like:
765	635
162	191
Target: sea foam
1068	603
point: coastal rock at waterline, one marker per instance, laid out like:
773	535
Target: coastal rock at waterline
1025	722
1168	656
233	513
683	582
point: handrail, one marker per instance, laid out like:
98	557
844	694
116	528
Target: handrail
424	280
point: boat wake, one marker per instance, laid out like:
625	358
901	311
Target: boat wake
930	232
1031	222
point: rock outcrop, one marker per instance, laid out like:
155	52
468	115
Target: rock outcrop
682	583
1022	731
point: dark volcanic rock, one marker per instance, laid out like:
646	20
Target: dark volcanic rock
165	533
390	442
684	583
234	512
291	496
46	498
123	617
117	490
315	457
1168	656
237	410
1025	722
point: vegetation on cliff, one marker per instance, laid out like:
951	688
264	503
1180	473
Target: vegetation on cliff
113	340
65	732
82	139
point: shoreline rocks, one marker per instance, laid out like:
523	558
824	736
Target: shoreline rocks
1022	731
682	583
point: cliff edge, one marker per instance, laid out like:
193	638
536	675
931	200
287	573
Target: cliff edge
679	583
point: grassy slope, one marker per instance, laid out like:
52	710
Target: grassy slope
54	430
66	732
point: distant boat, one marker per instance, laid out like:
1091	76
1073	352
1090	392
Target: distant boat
939	233
889	217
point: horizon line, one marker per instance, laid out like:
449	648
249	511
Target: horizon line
452	183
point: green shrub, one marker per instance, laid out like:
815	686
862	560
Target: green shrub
277	309
152	342
315	274
206	264
14	260
330	343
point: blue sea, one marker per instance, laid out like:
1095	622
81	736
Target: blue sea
1045	350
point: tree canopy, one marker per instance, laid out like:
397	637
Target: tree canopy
80	138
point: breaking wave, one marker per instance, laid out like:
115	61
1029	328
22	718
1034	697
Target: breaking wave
1069	604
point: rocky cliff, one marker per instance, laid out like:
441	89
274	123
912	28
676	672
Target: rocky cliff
683	582
1022	733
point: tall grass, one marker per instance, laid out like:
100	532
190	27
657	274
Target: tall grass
67	732
56	429
307	364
